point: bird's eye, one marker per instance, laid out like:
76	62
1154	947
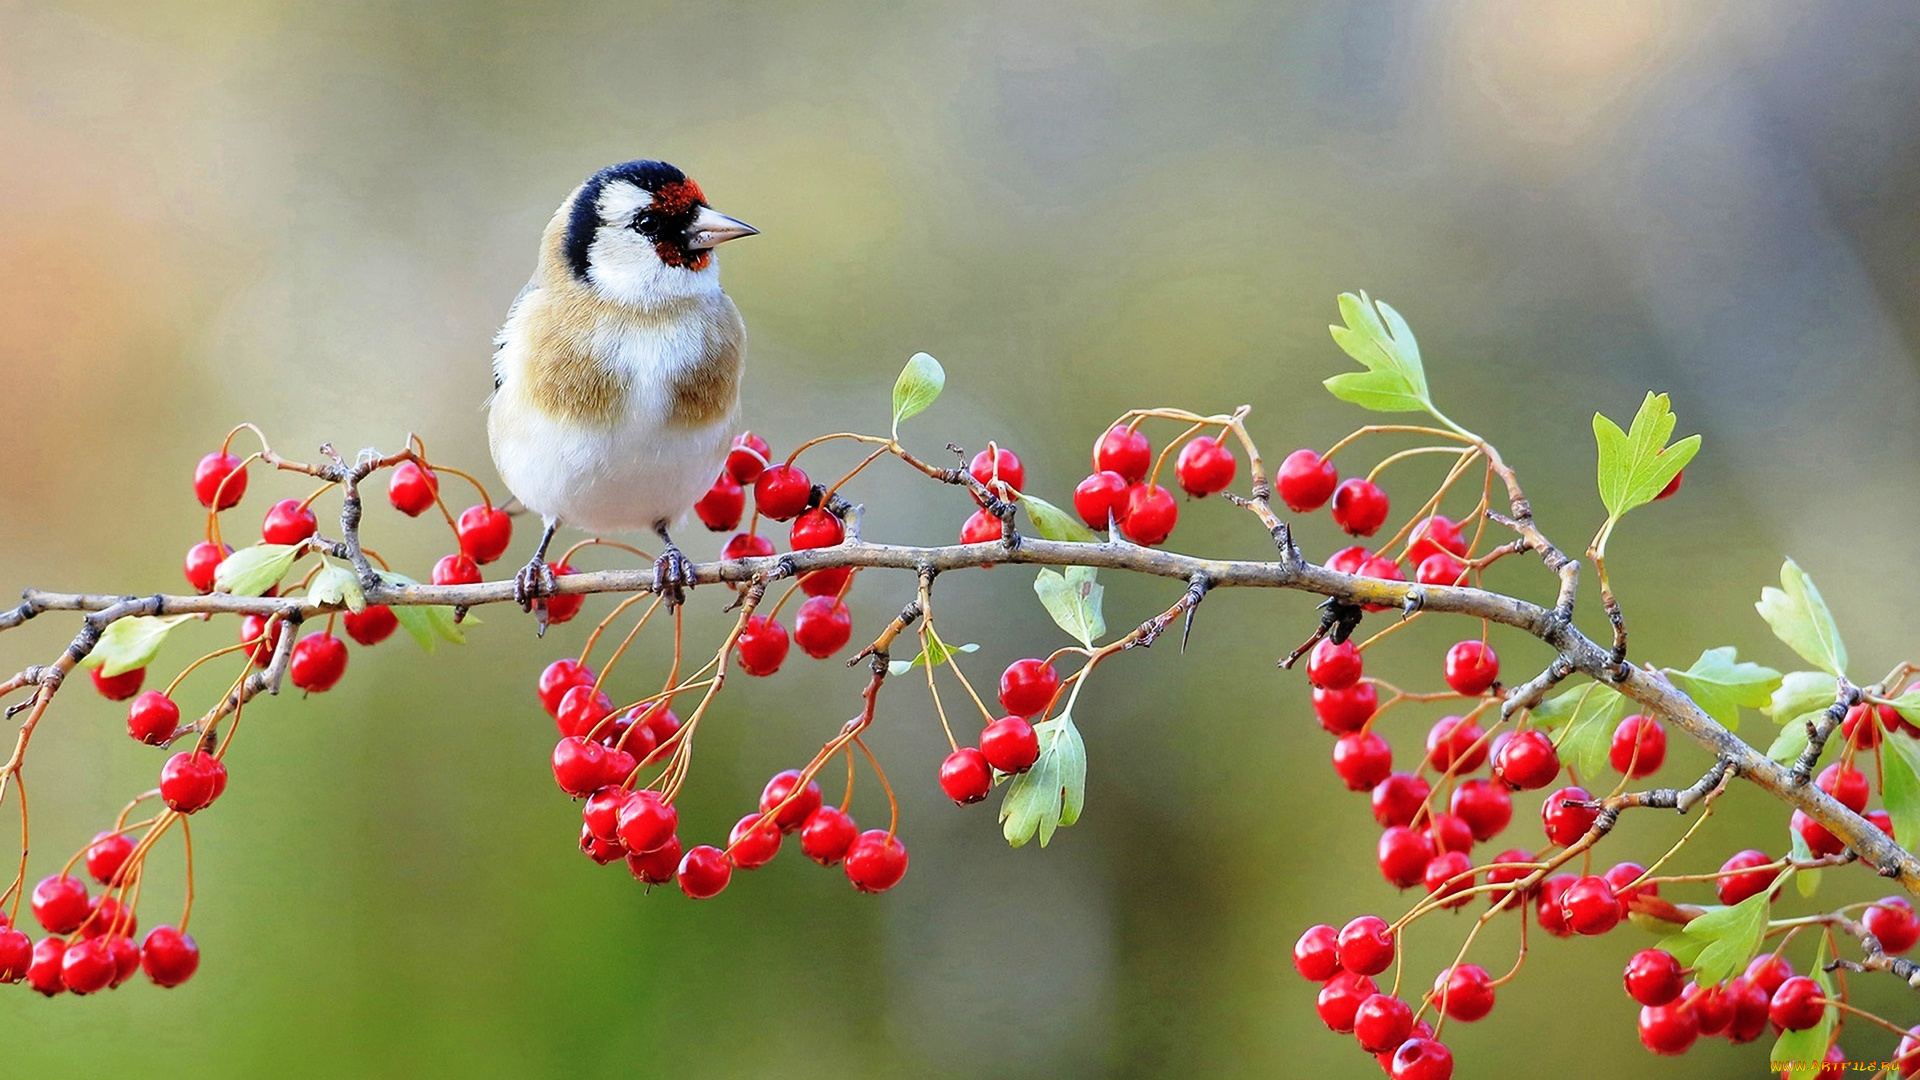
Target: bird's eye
645	220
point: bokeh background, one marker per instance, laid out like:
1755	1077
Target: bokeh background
313	216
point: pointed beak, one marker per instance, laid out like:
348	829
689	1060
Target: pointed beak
711	228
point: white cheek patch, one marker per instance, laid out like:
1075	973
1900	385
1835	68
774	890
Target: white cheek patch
623	266
620	201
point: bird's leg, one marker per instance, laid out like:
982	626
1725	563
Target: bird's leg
672	572
534	583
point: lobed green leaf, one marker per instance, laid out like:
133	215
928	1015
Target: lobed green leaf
1073	599
426	623
1589	714
1376	335
1637	465
337	585
1053	792
251	571
1799	617
131	643
1721	684
1718	943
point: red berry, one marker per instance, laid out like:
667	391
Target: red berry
1767	971
1151	513
1565	824
832	582
1010	744
1316	956
827	834
601	814
1366	945
579	765
1517	868
1339	1000
982	527
965	776
1846	784
1306	481
87	966
371	625
1798	1004
1450	833
1010	472
1673	485
457	569
43	974
724	504
1101	499
118	687
1399	798
582	708
704	871
1334	667
1463	992
107	854
1819	840
1382	1023
656	867
1484	805
107	916
1448	875
210	477
1891	920
1653	977
1441	569
1349	560
644	822
126	958
745	546
1422	1059
781	492
203	559
1734	886
288	522
1404	855
1639	746
763	645
822	627
254	628
484	533
1362	760
1359	507
191	780
876	862
794	811
1124	451
751	845
558	678
1341	711
318	662
1863	726
1622	877
1454	744
748	457
153	718
816	529
413	488
16	955
1205	466
1527	761
1907	1057
1668	1029
1433	536
1472	666
1028	686
1591	906
60	903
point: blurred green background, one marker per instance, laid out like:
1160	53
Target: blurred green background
313	216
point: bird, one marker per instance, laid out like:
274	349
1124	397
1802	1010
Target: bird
616	376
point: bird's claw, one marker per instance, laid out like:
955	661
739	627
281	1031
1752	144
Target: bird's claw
672	575
531	587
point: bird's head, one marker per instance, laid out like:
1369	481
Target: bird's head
641	233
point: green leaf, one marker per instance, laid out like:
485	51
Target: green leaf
935	653
337	585
1805	882
1636	465
1053	523
1073	599
1808	1046
1900	786
920	382
1395	380
1721	684
251	571
1908	705
1801	693
1718	944
131	643
426	623
1589	713
1052	793
1800	618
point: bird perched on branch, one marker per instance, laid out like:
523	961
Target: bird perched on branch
616	383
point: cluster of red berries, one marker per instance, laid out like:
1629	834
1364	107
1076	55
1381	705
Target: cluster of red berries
1121	492
602	750
90	944
1008	745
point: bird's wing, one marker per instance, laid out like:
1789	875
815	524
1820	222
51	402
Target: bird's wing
500	338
